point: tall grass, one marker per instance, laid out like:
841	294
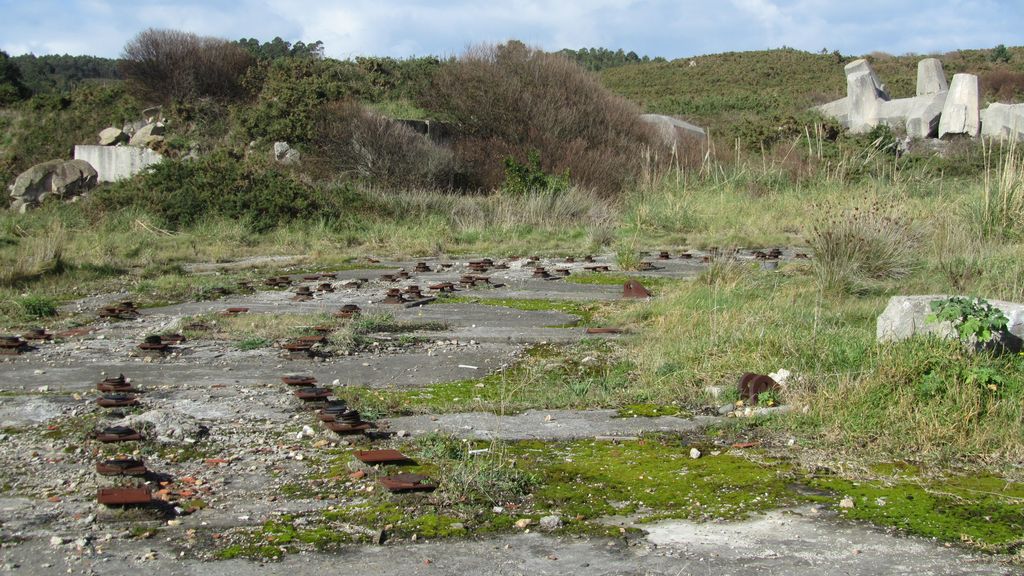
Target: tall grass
1002	212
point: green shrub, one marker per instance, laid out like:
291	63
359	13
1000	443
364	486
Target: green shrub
183	193
521	179
972	318
38	306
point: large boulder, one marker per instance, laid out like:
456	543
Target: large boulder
961	115
112	136
673	129
907	316
148	135
55	177
1003	121
285	154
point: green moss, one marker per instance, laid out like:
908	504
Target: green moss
647	411
982	511
425	521
585	310
654	478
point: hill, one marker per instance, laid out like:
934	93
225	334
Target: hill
724	91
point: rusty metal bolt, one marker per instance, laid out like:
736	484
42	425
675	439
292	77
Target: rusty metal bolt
118	434
121	467
37	334
117	400
313	394
664	255
421	267
541	273
394	296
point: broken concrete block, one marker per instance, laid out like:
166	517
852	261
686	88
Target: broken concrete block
861	66
1003	121
864	102
960	115
931	79
922	119
906	316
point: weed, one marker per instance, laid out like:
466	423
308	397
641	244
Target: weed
38	306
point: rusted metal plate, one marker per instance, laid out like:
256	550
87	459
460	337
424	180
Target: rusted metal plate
118	434
298	380
382	457
172	338
408	483
604	331
297	346
634	289
121	467
313	394
38	334
344	428
235	311
124	496
348	311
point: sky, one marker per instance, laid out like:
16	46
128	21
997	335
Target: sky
401	28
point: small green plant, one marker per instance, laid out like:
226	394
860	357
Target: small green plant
769	398
522	179
252	343
971	318
38	306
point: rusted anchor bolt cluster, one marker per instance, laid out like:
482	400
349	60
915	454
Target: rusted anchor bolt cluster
563	271
12	345
298	349
664	255
314	339
394	296
645	265
421	267
325	287
118	384
540	272
344	421
686	256
480	265
752	385
348	311
389	277
313	394
597	268
311	277
470	280
235	311
333	410
355	283
443	287
154	344
414	292
118	434
302	294
117	400
37	334
122	311
121	467
278	282
298	380
402	275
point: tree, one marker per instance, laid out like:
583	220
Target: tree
171	65
11	87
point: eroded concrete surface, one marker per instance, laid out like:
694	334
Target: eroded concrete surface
212	393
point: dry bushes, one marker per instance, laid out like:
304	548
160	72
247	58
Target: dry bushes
854	246
1002	85
352	140
510	100
171	65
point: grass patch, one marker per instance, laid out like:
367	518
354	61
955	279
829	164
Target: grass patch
648	411
586	311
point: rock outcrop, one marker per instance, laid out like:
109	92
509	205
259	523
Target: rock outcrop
112	136
285	154
148	135
65	180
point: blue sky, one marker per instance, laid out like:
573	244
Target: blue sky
418	27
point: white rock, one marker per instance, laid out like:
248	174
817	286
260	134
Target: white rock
694	453
846	502
550	523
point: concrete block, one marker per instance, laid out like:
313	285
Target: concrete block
113	163
931	79
961	115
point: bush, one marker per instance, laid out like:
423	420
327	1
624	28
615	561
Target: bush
169	65
510	100
873	241
522	179
182	193
353	140
38	306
